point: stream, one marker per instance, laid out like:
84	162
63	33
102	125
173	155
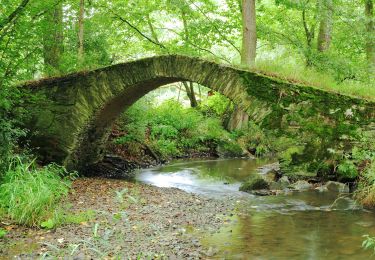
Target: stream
298	225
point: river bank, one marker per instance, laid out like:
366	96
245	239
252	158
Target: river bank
129	220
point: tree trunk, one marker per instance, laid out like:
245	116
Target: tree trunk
190	93
249	34
325	25
239	119
310	35
53	39
370	37
81	15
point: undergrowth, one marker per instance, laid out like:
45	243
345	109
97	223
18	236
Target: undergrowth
172	130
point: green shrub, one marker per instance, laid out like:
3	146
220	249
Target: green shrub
29	195
347	169
166	148
216	105
172	130
229	149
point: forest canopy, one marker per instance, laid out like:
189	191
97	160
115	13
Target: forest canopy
53	37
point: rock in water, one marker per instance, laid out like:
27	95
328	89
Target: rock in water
301	185
254	183
281	184
337	186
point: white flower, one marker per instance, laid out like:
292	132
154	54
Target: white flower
349	112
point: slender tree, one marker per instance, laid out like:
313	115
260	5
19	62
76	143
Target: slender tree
53	39
81	15
370	37
239	119
249	33
188	87
325	24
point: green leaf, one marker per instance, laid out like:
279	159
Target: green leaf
3	232
48	224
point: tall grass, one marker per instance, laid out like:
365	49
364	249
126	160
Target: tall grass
298	73
28	194
366	188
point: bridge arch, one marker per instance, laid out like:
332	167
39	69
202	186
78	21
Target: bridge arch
73	124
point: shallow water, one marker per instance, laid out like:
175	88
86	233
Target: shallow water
299	225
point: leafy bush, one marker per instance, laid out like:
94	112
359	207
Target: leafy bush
29	195
229	149
10	116
215	105
347	170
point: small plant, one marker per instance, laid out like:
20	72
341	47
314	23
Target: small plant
368	243
3	232
60	218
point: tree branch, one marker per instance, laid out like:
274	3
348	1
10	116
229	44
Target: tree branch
197	46
14	14
137	30
217	29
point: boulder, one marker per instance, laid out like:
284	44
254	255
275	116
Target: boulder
281	184
337	187
255	182
301	185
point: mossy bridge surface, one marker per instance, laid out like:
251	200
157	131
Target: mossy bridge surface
71	124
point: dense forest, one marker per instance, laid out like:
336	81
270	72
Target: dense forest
326	44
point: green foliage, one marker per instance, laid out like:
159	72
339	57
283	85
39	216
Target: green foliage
215	105
3	232
60	217
229	149
172	130
368	243
285	68
347	169
254	138
28	194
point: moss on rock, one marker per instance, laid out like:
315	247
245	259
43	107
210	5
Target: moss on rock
255	182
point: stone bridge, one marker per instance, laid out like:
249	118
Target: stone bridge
71	123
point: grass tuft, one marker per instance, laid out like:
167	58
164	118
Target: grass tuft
29	195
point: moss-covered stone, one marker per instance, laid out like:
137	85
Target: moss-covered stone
255	182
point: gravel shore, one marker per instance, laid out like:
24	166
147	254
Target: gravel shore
129	221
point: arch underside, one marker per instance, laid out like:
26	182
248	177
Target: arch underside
73	125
